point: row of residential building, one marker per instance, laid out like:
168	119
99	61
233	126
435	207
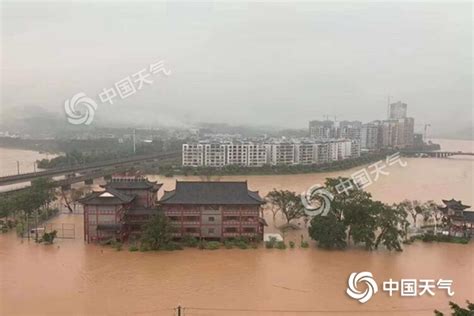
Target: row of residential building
278	153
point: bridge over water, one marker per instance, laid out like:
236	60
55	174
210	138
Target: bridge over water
90	171
436	154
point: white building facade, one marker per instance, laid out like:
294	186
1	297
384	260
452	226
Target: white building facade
276	153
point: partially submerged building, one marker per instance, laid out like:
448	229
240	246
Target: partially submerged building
213	210
120	209
461	219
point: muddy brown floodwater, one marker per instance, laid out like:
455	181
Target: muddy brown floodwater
74	278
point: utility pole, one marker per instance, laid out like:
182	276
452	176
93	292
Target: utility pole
134	143
18	166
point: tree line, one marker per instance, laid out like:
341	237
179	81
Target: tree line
28	206
355	218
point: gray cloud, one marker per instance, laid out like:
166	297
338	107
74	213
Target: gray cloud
275	64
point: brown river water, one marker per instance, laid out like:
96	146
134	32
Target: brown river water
74	278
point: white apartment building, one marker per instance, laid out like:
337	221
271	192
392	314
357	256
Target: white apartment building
259	154
214	155
355	148
306	153
237	154
282	154
193	155
339	150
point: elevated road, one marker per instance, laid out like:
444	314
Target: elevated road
436	154
94	168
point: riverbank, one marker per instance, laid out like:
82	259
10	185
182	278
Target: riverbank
171	170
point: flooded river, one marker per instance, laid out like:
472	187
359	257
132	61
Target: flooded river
73	278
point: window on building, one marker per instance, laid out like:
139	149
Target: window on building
191	218
211	231
211	219
249	230
231	229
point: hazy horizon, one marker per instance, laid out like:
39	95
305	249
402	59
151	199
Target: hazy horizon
256	64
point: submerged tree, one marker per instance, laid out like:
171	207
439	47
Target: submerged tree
287	202
355	216
413	208
458	310
157	233
356	209
328	231
391	223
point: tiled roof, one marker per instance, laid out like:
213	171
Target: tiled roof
109	196
133	184
455	205
211	193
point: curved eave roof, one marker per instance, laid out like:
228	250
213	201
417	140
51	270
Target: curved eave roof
211	193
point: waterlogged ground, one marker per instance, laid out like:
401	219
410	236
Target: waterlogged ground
73	278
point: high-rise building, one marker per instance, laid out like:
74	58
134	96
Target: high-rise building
322	129
397	110
405	129
389	133
369	138
349	129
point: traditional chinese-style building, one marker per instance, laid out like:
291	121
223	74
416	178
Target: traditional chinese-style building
200	209
461	219
214	210
120	209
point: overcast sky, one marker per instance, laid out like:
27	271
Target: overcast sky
278	64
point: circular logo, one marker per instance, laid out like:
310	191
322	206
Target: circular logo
361	277
80	109
316	200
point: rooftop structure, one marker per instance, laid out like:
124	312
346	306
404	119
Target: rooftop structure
211	193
